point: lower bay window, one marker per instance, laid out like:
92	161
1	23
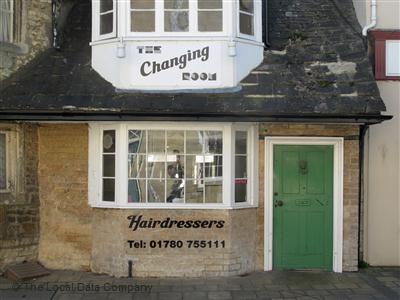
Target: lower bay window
143	165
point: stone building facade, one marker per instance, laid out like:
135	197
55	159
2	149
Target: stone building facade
315	83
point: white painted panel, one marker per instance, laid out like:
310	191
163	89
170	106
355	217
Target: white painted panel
392	58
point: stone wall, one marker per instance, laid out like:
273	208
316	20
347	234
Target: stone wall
35	36
19	208
350	183
65	216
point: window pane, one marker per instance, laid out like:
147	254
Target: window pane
106	23
143	21
194	192
175	191
176	21
210	4
213	142
136	191
3	163
142	4
213	191
109	141
246	24
137	141
240	191
156	166
156	141
247	5
175	166
240	167
109	190
137	166
175	142
176	4
241	142
106	5
213	166
194	166
156	191
109	165
210	21
194	142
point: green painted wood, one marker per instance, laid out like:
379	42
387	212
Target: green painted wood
303	225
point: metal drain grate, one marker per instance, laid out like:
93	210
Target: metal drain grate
25	271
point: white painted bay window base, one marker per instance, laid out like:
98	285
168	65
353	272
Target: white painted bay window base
173	165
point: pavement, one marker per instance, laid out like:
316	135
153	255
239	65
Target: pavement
370	283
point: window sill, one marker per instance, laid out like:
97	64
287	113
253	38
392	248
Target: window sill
174	206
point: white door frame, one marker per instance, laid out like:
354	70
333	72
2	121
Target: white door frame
337	144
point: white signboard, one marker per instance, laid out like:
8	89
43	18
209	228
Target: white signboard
183	65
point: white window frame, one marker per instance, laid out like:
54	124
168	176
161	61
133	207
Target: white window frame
96	36
11	150
257	21
121	177
193	22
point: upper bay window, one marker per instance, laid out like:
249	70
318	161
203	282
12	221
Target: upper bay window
146	166
130	18
155	44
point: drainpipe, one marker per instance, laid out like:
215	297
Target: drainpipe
373	18
361	196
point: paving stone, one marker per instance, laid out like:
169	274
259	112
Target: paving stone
195	296
244	295
170	296
219	295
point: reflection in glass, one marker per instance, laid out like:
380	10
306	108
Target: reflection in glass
212	142
109	190
210	4
247	6
137	141
156	191
143	21
240	191
137	166
241	142
106	23
142	4
175	141
106	5
175	191
136	191
240	167
213	191
210	21
194	166
3	162
246	24
194	142
109	141
176	4
194	193
109	165
176	21
156	141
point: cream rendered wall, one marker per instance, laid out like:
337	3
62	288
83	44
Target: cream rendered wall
382	164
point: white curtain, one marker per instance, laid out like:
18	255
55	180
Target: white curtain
6	20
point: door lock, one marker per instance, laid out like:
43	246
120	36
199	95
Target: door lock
278	203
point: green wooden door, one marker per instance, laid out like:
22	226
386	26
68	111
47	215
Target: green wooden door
303	207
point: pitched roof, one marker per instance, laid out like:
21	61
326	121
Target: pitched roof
317	67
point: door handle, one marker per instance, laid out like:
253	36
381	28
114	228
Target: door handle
278	203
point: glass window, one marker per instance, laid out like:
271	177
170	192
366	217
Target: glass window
108	175
107	16
246	17
174	166
143	16
210	15
3	162
6	20
176	15
241	173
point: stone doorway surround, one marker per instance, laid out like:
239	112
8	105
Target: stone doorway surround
338	162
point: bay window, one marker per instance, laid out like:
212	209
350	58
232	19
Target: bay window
194	166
